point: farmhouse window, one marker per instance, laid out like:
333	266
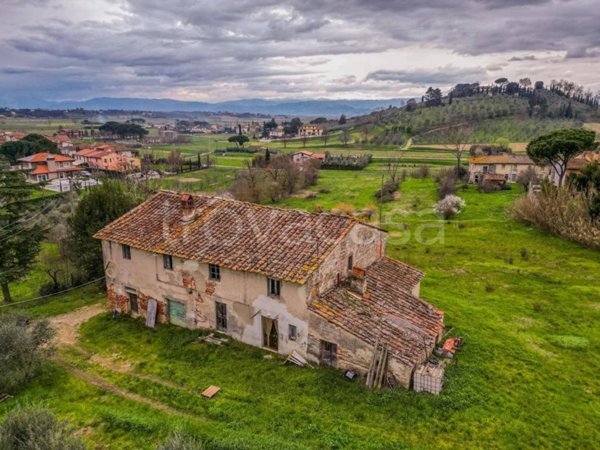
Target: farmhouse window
214	272
168	262
292	332
273	287
350	261
221	316
133	306
126	251
328	353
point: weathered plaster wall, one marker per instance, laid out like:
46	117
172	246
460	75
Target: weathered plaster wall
245	295
352	353
366	244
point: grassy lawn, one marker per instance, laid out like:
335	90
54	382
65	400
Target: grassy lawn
206	180
525	302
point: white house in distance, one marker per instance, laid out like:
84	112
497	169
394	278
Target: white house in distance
283	280
310	130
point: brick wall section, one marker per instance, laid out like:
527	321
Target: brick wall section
120	303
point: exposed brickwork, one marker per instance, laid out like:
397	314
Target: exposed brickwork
117	302
188	280
210	287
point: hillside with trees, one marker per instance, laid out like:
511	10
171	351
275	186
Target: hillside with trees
516	111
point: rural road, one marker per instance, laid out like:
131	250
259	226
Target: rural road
67	325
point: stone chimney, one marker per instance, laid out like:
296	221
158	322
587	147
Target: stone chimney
187	208
358	280
51	163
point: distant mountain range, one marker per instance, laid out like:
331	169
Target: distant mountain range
319	107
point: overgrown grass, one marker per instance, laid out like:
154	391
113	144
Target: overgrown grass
525	302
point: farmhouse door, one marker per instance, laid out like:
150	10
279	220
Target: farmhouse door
270	333
177	313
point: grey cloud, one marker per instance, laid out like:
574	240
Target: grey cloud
274	46
440	76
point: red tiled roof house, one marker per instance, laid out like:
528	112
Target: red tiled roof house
284	280
47	166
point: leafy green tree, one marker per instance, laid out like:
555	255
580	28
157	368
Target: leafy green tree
31	428
291	128
98	208
124	130
30	144
24	347
556	149
42	143
342	120
20	235
589	181
239	140
433	97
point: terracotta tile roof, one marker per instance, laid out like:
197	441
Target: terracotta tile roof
501	159
43	157
43	169
387	311
284	244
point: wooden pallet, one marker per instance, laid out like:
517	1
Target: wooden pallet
377	371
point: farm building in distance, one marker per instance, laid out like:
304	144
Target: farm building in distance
305	155
507	166
283	280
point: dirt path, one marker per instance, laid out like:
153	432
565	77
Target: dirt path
67	334
109	387
67	325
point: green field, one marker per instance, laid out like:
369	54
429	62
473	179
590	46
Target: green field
525	302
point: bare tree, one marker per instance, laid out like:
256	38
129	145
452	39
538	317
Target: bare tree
175	161
304	140
345	137
325	136
392	167
459	137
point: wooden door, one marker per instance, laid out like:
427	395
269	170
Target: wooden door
177	313
270	333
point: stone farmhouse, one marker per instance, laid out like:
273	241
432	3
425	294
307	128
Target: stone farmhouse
283	280
507	166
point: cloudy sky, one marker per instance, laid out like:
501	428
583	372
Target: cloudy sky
223	50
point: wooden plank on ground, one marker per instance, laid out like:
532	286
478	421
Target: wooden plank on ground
211	391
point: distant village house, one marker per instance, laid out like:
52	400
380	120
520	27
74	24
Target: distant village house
310	130
41	167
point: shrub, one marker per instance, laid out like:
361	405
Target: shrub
562	212
446	180
343	209
386	193
36	428
23	348
422	171
449	206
